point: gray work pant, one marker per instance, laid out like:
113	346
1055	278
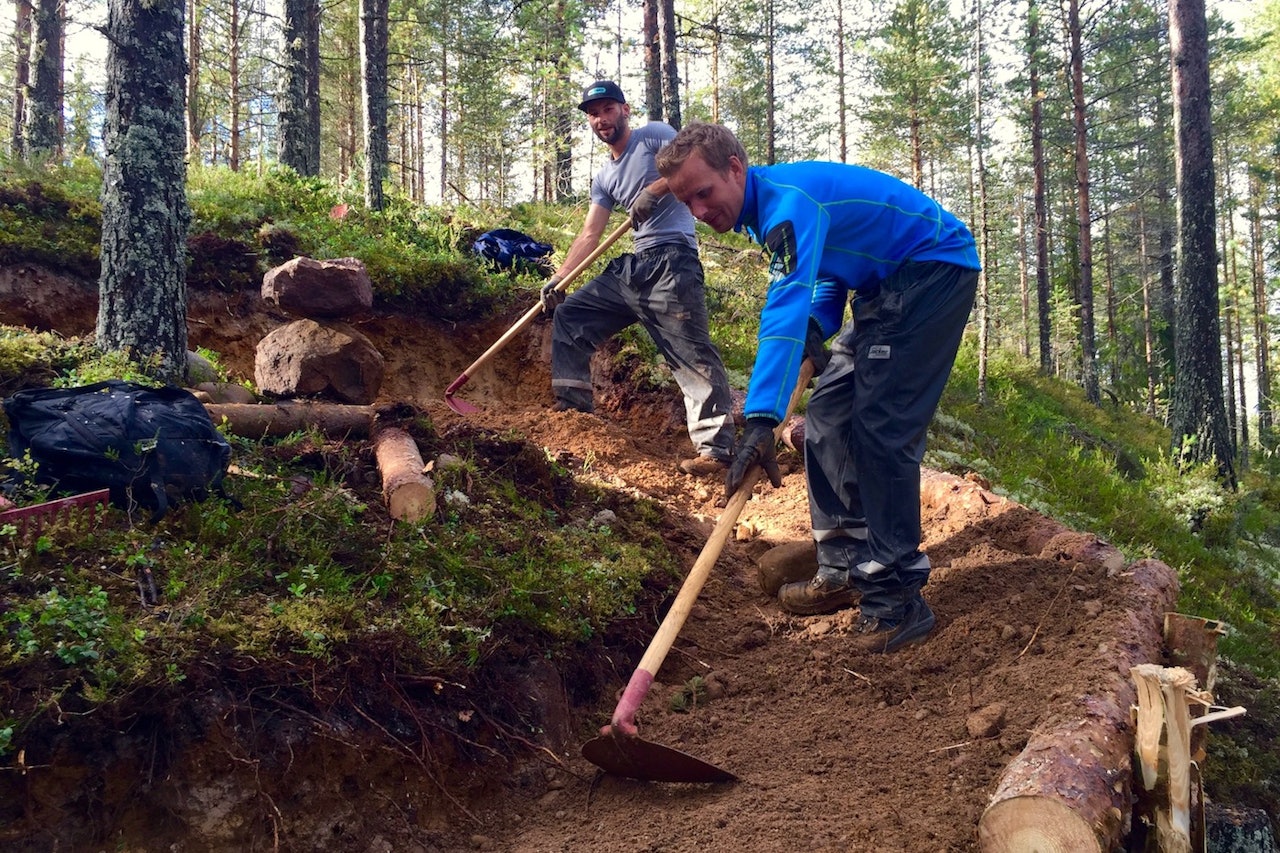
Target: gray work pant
662	289
865	429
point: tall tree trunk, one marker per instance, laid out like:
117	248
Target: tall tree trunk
770	128
562	130
1088	344
233	85
42	132
1038	169
1109	286
1261	325
299	137
142	291
21	73
915	125
1197	415
1233	339
652	62
1148	324
313	84
717	37
444	113
562	113
984	319
1024	279
1165	222
373	74
670	62
194	110
1243	451
842	94
419	136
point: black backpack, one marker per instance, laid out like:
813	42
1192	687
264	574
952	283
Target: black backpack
151	447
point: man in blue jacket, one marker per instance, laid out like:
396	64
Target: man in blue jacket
659	285
832	231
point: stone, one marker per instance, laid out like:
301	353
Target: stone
305	358
320	290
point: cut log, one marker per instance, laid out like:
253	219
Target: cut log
409	493
1068	791
259	420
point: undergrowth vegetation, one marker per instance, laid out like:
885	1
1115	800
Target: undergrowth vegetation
312	568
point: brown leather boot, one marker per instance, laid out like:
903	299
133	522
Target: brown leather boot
880	636
817	595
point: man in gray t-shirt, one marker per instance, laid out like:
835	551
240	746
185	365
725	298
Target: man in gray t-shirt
659	285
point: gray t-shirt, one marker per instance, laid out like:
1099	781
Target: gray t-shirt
617	184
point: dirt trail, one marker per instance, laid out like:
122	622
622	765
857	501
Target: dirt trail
835	750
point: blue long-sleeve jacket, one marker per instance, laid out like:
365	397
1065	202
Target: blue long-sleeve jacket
829	228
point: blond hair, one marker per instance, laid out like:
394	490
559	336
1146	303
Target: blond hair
715	142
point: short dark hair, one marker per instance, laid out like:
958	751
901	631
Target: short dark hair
715	142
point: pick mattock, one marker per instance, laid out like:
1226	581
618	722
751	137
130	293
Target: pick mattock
619	749
462	407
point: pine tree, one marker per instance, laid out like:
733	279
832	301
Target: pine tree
142	291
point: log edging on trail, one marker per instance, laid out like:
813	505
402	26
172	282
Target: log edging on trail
259	420
1070	789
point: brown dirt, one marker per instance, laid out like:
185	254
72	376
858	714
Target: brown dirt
835	750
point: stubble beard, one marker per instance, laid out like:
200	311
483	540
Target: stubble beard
619	128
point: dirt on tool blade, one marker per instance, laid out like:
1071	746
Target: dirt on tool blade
835	750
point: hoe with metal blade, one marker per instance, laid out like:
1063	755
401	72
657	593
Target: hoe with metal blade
462	407
619	749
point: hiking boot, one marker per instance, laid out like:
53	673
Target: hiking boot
817	595
702	465
879	636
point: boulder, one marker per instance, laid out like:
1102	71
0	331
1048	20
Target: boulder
320	290
305	358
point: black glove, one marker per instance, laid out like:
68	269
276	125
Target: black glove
551	297
814	349
643	208
758	447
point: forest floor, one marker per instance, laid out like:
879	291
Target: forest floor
834	750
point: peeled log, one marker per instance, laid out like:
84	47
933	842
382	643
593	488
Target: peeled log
1069	790
257	420
409	493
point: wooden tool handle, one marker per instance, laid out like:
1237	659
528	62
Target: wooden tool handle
638	686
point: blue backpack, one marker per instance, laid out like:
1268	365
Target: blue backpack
507	248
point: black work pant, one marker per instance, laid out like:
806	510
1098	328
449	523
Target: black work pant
866	424
662	289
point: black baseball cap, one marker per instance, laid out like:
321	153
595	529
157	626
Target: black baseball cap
599	91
